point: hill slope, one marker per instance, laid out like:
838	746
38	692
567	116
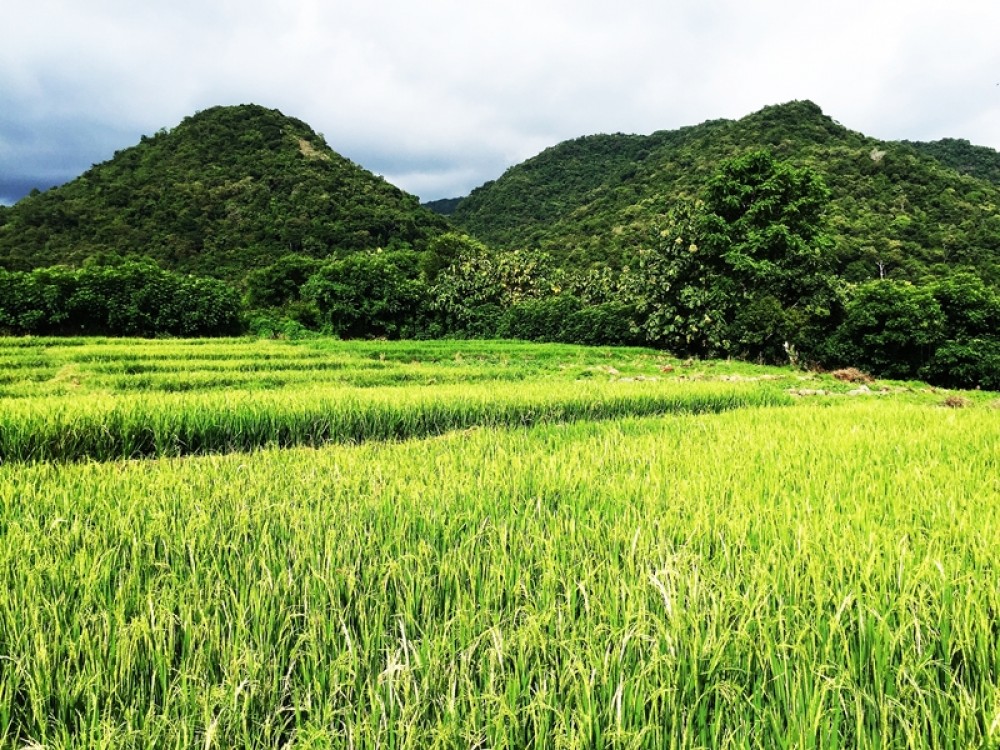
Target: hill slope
228	189
898	208
962	156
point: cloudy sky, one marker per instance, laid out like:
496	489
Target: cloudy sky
441	95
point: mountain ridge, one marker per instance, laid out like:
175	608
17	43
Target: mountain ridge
900	204
226	190
231	189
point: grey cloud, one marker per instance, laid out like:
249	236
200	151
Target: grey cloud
443	95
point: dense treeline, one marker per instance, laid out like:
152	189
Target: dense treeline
130	299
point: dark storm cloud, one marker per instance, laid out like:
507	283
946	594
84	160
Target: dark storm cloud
39	152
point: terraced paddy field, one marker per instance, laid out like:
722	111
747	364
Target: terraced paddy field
318	544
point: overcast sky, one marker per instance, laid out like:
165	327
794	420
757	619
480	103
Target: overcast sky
441	95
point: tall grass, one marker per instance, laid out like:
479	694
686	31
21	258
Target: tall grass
135	426
773	578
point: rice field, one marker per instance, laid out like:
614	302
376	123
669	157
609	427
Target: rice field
603	549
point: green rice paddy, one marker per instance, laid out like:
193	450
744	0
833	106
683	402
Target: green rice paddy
487	545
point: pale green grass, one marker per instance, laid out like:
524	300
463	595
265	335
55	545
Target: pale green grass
104	427
813	576
110	399
42	367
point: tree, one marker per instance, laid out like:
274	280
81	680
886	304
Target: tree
973	363
279	284
445	251
128	299
763	219
971	308
473	292
681	301
745	269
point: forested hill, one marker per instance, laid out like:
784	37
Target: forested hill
227	190
959	154
899	209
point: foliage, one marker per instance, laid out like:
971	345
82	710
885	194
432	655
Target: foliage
962	156
539	319
969	363
521	207
602	324
443	206
944	331
681	302
471	295
890	328
743	271
129	299
971	308
279	284
762	217
447	250
368	294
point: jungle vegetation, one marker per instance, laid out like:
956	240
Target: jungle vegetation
779	237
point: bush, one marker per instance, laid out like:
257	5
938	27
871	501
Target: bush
279	284
565	318
475	322
889	328
971	308
367	294
130	299
607	324
965	364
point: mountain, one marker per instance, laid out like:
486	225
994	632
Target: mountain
443	206
231	189
901	209
227	190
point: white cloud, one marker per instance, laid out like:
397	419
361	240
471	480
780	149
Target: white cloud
441	95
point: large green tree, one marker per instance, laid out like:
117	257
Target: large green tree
744	270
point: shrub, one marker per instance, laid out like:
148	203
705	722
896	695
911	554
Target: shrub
367	294
965	364
539	319
890	328
971	308
607	324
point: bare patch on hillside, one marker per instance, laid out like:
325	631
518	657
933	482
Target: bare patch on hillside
310	152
